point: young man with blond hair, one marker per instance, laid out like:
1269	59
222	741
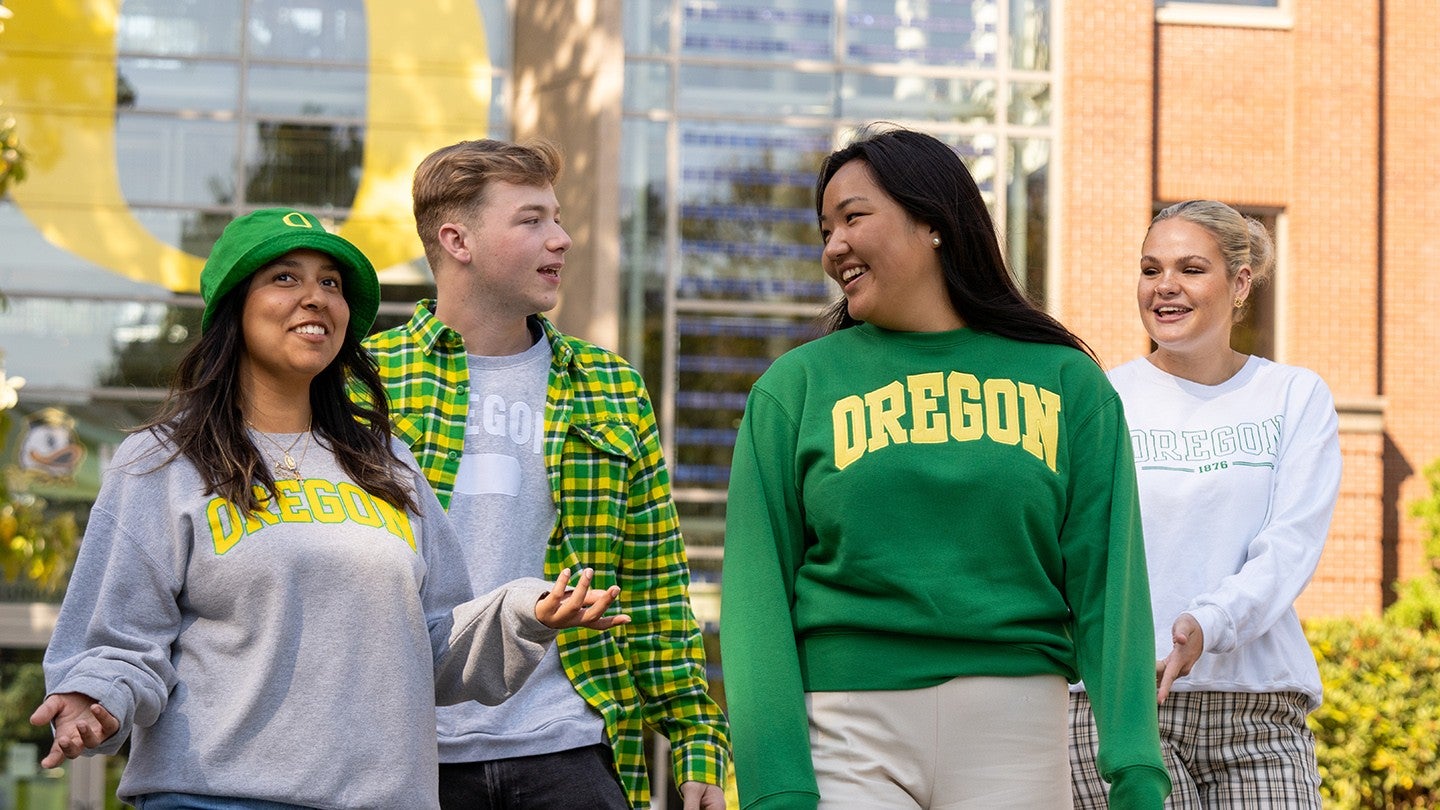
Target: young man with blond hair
545	451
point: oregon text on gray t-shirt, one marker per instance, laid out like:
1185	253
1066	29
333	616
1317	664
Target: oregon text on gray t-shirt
503	513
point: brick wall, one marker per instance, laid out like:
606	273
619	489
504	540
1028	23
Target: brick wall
1105	189
1352	567
1410	339
1331	281
1224	114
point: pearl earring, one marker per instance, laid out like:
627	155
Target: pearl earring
935	241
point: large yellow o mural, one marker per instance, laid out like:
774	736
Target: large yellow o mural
57	75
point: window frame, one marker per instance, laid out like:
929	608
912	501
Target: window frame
1198	12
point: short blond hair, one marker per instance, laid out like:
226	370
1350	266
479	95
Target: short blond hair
451	182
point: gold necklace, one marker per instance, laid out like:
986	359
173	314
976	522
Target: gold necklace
287	466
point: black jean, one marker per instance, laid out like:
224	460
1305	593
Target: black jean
580	777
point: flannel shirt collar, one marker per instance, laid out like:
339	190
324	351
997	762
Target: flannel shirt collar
429	331
432	335
560	345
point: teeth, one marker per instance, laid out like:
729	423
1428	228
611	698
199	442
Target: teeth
310	329
853	272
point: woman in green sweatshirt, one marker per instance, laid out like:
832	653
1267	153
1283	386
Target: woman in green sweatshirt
932	525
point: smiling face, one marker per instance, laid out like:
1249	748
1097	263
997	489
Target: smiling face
1186	296
294	320
883	259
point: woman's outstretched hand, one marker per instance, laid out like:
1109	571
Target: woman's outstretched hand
566	607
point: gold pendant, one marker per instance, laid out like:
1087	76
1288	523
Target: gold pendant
287	468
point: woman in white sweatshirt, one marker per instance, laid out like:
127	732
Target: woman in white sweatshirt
269	601
1238	462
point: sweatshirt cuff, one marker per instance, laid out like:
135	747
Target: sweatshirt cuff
520	598
1139	787
1219	636
116	700
793	800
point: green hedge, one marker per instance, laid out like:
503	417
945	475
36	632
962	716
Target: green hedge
1379	728
1378	732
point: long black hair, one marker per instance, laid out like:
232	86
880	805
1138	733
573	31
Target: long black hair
201	418
928	179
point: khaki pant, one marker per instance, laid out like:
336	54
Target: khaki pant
967	744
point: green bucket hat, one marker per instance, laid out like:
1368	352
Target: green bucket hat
260	237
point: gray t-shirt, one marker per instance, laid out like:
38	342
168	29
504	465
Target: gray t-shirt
504	514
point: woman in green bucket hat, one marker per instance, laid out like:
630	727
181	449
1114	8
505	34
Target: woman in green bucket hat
269	601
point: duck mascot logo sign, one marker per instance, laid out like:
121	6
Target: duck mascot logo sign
50	449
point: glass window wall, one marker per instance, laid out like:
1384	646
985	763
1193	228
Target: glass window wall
719	245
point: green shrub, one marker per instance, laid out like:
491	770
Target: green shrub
1378	733
1379	728
1417	605
1418	602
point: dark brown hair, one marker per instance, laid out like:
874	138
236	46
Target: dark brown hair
201	418
928	179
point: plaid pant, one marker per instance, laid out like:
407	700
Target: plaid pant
1223	750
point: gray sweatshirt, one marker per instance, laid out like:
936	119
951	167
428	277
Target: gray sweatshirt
294	656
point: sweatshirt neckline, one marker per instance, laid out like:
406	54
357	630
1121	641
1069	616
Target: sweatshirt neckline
1237	380
946	338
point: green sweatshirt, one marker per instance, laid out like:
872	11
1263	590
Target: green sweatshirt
906	508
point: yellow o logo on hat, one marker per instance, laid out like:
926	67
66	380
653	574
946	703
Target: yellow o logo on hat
58	74
299	222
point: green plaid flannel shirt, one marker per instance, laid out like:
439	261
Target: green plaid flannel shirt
612	492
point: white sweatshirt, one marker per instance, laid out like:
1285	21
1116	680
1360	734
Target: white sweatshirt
1237	485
